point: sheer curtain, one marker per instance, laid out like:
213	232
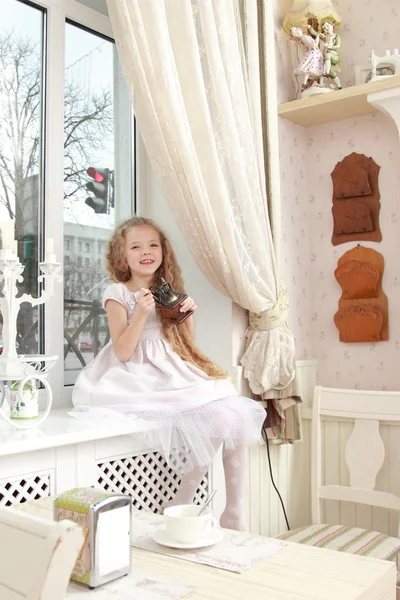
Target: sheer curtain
195	103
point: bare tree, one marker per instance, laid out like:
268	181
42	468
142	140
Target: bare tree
20	110
88	122
79	280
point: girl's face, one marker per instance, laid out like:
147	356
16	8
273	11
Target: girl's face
143	250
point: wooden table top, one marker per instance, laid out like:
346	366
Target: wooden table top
297	572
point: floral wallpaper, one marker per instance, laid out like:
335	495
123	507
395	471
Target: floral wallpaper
366	25
362	366
296	236
307	157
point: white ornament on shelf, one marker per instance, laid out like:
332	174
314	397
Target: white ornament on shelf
385	66
15	367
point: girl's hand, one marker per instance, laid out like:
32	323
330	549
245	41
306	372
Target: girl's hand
145	302
187	305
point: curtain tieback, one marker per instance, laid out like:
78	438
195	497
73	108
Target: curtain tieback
274	316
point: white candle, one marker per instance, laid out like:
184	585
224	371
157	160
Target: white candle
49	246
15	247
7	234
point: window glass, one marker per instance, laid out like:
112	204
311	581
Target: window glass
22	151
98	174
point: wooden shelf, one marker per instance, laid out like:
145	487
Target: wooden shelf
342	104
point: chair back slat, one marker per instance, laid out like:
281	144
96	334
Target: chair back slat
360	496
364	451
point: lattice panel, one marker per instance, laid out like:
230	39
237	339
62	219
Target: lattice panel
22	490
147	478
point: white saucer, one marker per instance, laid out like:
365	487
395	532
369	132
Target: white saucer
162	538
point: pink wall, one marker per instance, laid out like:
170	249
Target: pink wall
308	258
364	366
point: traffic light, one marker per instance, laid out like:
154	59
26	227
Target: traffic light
98	187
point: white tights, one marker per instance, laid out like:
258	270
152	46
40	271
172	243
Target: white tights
234	462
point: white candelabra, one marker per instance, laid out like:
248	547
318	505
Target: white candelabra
13	366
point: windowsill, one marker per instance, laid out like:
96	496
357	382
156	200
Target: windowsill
60	429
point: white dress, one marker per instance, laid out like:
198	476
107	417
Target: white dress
191	412
313	61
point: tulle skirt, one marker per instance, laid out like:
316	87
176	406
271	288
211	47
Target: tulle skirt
174	406
190	439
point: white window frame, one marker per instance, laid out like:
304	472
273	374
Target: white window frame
58	11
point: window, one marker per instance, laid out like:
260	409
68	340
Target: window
97	118
22	82
39	179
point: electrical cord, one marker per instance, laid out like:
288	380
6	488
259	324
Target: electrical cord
265	436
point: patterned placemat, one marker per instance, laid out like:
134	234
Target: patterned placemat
236	552
135	585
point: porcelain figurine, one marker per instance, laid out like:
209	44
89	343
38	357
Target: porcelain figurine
311	67
329	43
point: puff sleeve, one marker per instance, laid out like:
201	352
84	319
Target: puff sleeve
115	291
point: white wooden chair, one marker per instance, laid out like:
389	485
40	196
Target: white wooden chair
364	456
36	556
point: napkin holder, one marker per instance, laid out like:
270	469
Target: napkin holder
106	522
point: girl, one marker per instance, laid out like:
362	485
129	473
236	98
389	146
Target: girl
153	371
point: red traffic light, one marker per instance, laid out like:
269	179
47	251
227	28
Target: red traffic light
96	175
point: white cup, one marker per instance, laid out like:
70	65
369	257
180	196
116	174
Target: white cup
183	524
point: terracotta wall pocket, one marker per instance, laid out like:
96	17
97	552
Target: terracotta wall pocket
363	306
355	200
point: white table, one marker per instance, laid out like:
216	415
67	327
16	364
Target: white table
296	572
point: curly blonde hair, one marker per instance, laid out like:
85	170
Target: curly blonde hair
177	335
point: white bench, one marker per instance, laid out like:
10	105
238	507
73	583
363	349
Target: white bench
65	453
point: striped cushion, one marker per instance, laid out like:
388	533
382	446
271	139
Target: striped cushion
346	539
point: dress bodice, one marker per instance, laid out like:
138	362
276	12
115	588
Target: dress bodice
118	291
